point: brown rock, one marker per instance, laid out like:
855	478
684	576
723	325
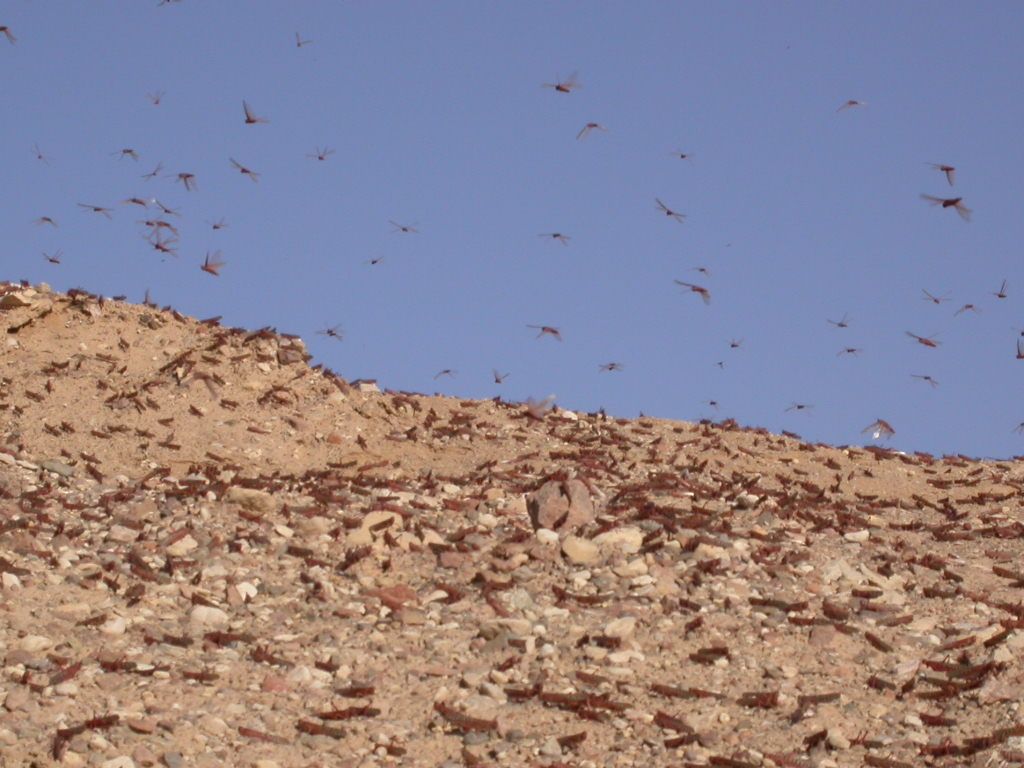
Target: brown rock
394	597
143	755
275	684
452	559
560	506
18	699
142	724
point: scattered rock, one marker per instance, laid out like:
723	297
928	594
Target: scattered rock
205	618
18	699
114	626
57	467
580	551
620	628
547	537
837	740
371	553
395	596
561	506
182	546
35	643
626	539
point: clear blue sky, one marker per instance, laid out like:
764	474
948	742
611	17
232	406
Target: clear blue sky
438	119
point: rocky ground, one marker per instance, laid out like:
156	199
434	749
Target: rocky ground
213	554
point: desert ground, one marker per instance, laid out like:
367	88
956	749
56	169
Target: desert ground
214	554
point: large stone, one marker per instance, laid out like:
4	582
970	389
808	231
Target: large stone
35	643
580	551
288	356
206	618
560	506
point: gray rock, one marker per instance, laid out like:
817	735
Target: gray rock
551	748
57	467
289	356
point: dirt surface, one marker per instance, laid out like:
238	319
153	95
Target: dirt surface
213	554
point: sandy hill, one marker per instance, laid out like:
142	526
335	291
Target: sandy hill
213	554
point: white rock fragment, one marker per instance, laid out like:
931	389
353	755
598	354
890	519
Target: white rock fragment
837	740
114	626
247	590
213	725
546	536
10	581
206	618
627	539
35	643
580	551
182	546
122	534
635	567
621	628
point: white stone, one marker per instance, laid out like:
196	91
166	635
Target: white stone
115	625
247	590
122	534
546	536
621	628
207	618
627	539
35	643
837	740
10	581
213	725
182	546
635	567
581	551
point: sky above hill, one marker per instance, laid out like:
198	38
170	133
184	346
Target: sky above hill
435	117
